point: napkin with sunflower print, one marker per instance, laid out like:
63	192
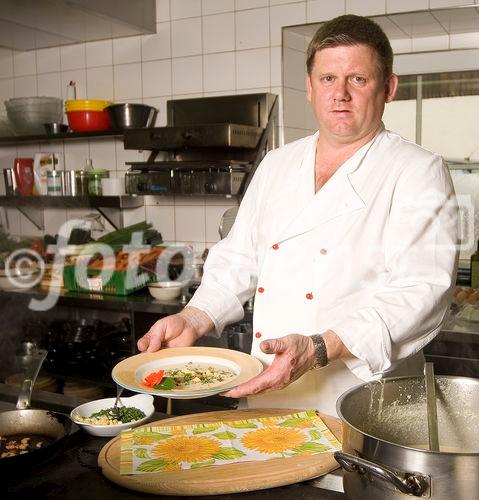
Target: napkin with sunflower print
172	448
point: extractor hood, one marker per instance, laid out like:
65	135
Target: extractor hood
35	24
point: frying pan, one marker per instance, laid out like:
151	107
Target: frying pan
52	426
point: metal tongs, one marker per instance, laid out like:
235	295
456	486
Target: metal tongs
431	405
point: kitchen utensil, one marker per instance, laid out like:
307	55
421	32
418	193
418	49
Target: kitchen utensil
81	182
88	121
28	114
10	181
69	183
50	427
431	407
143	402
232	478
227	221
118	403
165	290
131	372
55	128
130	115
385	440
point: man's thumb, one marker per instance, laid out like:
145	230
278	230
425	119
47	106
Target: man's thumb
272	346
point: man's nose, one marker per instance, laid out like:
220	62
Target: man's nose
341	92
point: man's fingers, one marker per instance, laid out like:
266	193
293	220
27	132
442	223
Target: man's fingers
262	382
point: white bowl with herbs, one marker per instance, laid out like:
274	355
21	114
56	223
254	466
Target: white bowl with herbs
99	417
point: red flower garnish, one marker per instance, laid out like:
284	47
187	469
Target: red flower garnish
154	378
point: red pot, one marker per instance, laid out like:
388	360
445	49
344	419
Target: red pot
86	121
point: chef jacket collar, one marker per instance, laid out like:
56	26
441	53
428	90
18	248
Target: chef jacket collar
337	197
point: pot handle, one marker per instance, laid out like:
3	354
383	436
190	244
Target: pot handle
406	482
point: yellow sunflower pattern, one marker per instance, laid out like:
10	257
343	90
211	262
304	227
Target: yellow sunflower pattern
150	449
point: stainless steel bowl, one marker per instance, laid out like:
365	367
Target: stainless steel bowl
130	115
55	128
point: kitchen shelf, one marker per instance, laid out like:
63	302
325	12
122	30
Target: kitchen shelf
14	139
111	207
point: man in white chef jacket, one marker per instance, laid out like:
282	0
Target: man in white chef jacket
347	240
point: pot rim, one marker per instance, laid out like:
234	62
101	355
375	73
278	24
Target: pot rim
391	443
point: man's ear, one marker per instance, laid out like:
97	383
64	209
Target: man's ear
309	88
391	87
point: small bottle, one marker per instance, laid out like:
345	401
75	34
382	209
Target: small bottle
475	268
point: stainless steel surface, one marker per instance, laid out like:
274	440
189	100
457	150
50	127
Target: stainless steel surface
211	135
10	181
131	115
81	182
210	146
385	427
431	407
227	221
70	183
55	128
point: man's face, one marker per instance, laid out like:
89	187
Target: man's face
347	92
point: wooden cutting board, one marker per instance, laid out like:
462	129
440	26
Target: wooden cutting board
231	478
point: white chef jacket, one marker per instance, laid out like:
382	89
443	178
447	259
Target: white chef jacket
372	256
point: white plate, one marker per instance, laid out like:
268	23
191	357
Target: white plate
131	372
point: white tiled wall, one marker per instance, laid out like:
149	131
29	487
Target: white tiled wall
201	48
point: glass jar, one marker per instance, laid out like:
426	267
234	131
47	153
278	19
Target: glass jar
94	180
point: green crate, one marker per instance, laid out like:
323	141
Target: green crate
116	285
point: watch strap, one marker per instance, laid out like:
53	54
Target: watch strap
320	352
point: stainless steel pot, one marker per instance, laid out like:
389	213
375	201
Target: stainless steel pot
385	440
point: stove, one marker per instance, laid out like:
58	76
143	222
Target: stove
210	146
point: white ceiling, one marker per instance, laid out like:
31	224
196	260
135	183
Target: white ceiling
463	19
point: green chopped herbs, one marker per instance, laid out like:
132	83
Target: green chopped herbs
110	416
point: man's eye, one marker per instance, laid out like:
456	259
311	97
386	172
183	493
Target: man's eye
327	78
359	79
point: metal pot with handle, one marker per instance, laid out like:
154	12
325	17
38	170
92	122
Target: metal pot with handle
45	430
385	440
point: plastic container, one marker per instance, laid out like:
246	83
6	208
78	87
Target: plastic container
23	168
93	283
88	121
95	177
86	105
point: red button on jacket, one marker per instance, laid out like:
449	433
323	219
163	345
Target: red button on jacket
275	246
309	296
260	289
323	251
257	335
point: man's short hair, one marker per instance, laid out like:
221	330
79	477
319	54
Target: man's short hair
352	30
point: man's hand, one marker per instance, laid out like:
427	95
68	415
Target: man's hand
178	330
294	356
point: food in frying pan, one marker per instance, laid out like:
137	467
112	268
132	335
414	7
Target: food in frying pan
110	416
189	376
22	443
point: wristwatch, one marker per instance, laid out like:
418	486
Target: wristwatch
320	352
